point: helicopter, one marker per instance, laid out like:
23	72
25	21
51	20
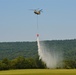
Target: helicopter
37	11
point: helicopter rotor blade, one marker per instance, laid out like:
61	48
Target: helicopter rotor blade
41	10
37	9
31	9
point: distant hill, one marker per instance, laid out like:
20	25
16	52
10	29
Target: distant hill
12	50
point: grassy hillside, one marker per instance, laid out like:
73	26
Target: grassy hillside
29	49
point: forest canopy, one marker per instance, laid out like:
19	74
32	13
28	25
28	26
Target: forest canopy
24	55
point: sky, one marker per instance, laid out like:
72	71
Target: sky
19	23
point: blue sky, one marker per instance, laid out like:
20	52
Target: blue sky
56	22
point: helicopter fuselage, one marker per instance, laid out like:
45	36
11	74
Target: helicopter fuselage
37	12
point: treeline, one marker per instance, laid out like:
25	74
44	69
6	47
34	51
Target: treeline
21	63
69	64
30	63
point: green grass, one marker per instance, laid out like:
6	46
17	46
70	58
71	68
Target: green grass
40	72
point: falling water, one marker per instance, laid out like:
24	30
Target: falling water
51	57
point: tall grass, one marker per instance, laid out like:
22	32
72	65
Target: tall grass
40	72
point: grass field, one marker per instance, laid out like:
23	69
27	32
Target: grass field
40	72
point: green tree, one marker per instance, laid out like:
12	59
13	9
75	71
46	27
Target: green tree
20	63
40	64
6	63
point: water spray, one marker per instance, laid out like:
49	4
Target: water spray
50	56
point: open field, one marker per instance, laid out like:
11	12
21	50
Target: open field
40	72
